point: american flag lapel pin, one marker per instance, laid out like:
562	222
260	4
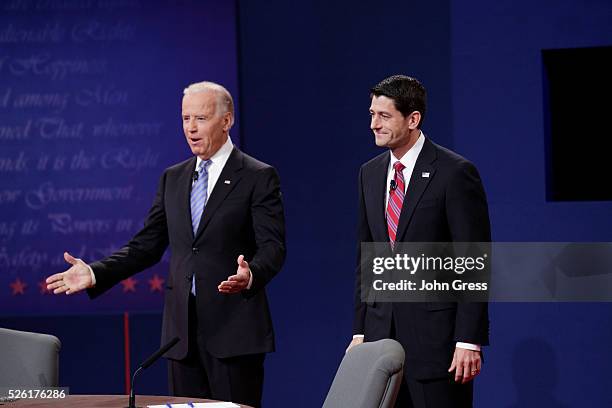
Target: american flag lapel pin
425	174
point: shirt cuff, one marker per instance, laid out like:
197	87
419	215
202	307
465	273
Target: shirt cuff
93	276
468	346
250	279
460	344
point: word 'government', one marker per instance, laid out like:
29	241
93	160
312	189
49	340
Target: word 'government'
47	194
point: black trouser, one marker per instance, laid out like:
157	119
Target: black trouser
442	393
434	393
236	379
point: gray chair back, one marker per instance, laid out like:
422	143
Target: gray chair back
28	359
369	376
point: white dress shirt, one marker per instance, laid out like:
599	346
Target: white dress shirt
215	168
218	161
409	161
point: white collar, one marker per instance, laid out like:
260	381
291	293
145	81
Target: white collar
409	159
220	155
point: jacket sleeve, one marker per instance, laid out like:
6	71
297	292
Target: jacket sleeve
144	250
468	219
363	235
269	227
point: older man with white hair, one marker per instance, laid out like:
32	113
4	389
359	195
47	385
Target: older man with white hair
222	216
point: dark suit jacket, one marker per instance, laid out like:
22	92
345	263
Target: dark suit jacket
448	206
242	217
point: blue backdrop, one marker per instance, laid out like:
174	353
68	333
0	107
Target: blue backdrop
89	118
304	71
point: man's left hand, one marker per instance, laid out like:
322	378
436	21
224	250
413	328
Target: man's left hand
466	364
239	281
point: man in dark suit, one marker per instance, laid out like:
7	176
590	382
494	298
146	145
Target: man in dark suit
222	215
421	192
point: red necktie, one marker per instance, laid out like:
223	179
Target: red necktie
396	199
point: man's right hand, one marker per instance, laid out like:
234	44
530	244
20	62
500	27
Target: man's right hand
73	280
355	342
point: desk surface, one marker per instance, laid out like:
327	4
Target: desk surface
101	401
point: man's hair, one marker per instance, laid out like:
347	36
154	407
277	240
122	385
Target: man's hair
225	103
408	94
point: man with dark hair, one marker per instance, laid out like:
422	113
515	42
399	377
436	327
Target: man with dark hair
435	196
221	213
408	94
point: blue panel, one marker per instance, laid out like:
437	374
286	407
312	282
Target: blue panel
306	71
499	113
145	332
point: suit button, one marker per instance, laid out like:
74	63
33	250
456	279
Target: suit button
195	250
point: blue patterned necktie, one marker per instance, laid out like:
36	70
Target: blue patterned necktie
199	193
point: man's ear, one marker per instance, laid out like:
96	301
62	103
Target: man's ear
227	121
414	119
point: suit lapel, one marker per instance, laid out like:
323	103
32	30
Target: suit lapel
416	186
375	185
230	172
184	183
